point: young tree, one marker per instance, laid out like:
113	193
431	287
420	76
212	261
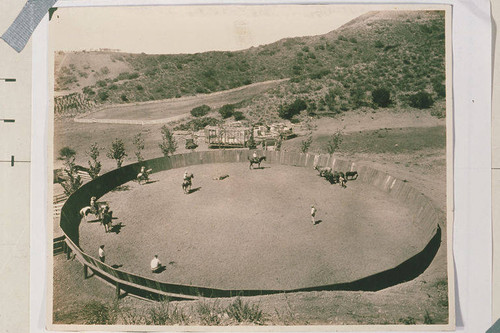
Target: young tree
117	152
305	144
73	180
139	146
168	145
94	164
334	142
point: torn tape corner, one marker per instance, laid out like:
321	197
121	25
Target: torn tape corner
495	328
20	31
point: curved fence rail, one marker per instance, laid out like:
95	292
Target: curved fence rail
424	215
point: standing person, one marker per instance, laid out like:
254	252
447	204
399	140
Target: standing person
102	254
155	264
107	219
342	182
313	214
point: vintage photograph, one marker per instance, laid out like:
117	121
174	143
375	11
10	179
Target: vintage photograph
279	165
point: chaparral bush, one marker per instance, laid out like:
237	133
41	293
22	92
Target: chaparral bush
200	111
381	97
421	100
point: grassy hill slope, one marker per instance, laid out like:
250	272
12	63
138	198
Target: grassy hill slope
401	51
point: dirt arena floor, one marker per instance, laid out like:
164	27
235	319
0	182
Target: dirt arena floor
253	230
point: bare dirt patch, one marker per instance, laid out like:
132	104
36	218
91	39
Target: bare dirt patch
253	229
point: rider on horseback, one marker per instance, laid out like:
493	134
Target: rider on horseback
143	175
94	206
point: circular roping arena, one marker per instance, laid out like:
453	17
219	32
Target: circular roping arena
253	231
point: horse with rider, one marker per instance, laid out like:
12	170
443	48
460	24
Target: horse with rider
255	159
143	175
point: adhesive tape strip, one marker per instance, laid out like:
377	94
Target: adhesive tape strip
19	32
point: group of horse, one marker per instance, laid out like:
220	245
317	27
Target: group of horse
143	178
336	177
101	212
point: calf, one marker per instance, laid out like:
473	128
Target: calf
351	174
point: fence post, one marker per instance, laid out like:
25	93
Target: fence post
85	272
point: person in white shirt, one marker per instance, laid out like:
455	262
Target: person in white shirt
155	264
102	254
313	214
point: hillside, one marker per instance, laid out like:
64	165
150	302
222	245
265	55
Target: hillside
401	52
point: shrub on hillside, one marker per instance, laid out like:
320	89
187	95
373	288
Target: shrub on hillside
290	110
227	110
439	87
238	115
104	70
329	100
357	95
381	97
123	76
103	95
197	124
88	91
200	111
319	74
421	100
133	76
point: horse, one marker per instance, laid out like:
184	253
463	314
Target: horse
143	175
322	171
256	160
85	211
334	177
351	174
337	175
107	219
186	184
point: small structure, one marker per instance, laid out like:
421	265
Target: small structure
227	137
272	132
